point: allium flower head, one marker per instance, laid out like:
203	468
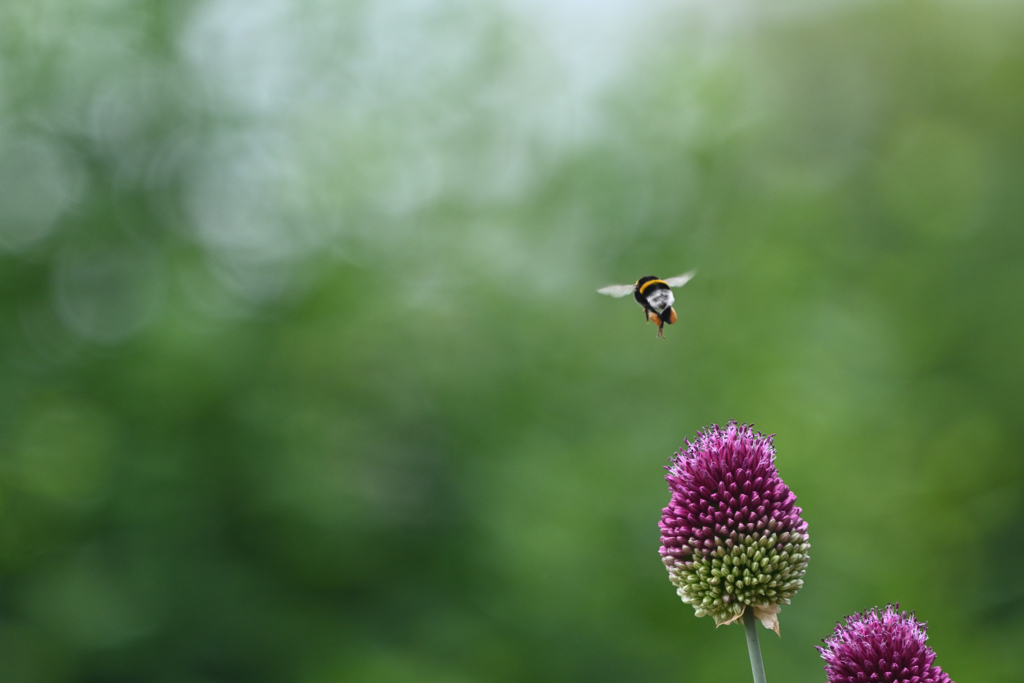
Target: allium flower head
731	535
887	647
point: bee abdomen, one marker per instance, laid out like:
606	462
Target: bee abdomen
659	298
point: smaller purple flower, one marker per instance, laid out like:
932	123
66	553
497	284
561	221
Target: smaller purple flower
732	536
882	647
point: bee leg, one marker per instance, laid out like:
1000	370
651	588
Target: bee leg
647	314
660	320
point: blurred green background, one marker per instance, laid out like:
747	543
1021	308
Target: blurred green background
303	376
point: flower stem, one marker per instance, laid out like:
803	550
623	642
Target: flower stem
753	647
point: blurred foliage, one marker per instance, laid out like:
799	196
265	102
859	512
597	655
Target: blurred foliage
304	377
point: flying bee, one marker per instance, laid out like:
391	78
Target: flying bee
654	295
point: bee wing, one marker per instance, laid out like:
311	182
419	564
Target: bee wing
617	290
680	280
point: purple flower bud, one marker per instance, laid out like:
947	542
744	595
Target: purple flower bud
732	535
887	647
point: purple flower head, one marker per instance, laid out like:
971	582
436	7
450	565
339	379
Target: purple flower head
732	535
887	647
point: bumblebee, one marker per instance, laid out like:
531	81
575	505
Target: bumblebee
654	295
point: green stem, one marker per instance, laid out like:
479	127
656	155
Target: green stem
753	647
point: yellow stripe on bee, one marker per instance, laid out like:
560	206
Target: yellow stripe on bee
649	283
